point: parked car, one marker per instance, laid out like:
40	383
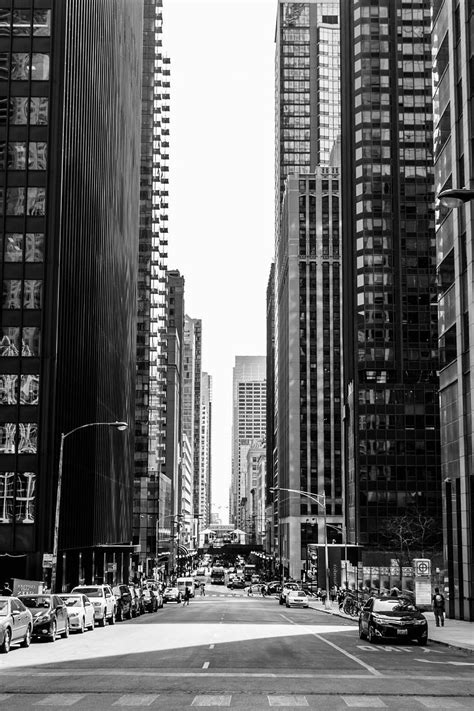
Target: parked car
103	600
80	611
156	591
273	587
149	600
171	595
140	600
296	598
237	584
16	623
285	590
136	601
392	618
50	616
123	600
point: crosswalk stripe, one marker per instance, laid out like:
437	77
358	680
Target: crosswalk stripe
287	701
364	702
136	700
208	700
60	700
435	702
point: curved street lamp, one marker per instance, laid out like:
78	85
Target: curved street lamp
320	499
119	426
455	197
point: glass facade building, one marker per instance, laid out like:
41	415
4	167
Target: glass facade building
389	265
307	336
68	251
453	66
151	484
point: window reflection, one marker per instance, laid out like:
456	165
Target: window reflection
37	152
30	345
33	294
42	22
22	62
8	389
20	66
11	294
9	341
40	67
16	155
36	203
4	65
34	247
29	389
39	110
7	437
13	247
5	20
25	497
18	110
28	438
15	202
7	491
22	22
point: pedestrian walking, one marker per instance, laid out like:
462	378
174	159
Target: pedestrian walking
7	589
186	596
202	588
263	590
438	607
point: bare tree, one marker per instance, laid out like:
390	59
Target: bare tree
412	534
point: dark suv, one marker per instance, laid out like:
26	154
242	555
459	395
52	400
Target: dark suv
123	598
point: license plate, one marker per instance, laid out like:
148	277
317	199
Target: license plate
402	632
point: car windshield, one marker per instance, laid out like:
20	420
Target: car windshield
171	590
71	601
393	605
92	592
36	601
3	608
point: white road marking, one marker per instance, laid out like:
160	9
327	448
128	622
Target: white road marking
454	664
60	700
211	700
291	701
211	646
364	702
369	668
287	619
435	702
205	665
136	700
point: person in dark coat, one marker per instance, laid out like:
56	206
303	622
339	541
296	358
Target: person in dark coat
437	602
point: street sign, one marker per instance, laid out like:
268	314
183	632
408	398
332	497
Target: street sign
47	560
422	567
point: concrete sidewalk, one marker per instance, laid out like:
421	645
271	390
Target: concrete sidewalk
455	633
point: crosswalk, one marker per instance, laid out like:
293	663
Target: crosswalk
163	701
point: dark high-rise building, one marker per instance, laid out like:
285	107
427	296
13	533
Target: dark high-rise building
151	485
307	452
390	298
69	198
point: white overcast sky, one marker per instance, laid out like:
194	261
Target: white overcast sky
221	186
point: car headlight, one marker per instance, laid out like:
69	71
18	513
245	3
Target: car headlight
97	604
41	619
419	622
73	615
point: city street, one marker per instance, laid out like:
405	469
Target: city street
231	650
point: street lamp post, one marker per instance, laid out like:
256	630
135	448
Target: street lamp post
54	567
320	499
455	197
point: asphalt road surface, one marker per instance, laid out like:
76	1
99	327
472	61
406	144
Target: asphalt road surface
233	651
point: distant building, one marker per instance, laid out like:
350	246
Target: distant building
205	461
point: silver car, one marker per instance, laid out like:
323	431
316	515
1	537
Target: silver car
16	623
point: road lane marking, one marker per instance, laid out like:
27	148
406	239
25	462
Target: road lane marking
205	665
288	619
364	702
207	700
136	700
60	700
211	646
287	701
435	702
369	668
454	664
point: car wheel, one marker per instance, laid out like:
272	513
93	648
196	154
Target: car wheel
371	635
362	634
52	635
112	618
102	621
5	646
287	605
27	639
65	634
92	626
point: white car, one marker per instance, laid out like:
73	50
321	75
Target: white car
103	600
80	612
296	598
16	623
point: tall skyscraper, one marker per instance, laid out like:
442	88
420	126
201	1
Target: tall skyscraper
390	297
307	282
69	206
152	486
248	422
453	159
205	460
